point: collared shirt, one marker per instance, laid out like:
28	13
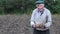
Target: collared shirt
45	18
41	11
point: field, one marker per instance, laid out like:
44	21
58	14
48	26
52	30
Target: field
19	24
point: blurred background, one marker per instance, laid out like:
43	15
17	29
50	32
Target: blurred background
26	6
15	16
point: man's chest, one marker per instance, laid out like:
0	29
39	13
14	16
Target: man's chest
40	16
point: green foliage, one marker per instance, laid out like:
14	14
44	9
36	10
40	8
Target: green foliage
25	6
53	6
16	6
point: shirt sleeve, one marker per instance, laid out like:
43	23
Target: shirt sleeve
49	20
32	18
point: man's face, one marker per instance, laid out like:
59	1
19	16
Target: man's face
40	6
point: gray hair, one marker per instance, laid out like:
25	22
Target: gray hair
41	4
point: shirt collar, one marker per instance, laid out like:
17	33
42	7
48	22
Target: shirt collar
41	11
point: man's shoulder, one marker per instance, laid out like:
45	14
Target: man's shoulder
35	10
47	10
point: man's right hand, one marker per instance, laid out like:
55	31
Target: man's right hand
34	26
38	26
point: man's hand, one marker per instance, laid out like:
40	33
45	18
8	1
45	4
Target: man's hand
34	26
42	26
38	26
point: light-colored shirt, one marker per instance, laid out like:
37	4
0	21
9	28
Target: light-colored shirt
45	18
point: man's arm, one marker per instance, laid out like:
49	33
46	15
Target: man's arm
32	18
49	20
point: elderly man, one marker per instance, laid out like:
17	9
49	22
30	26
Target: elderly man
41	19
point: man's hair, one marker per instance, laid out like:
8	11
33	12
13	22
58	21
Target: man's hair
38	4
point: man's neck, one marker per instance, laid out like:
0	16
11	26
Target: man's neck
40	10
